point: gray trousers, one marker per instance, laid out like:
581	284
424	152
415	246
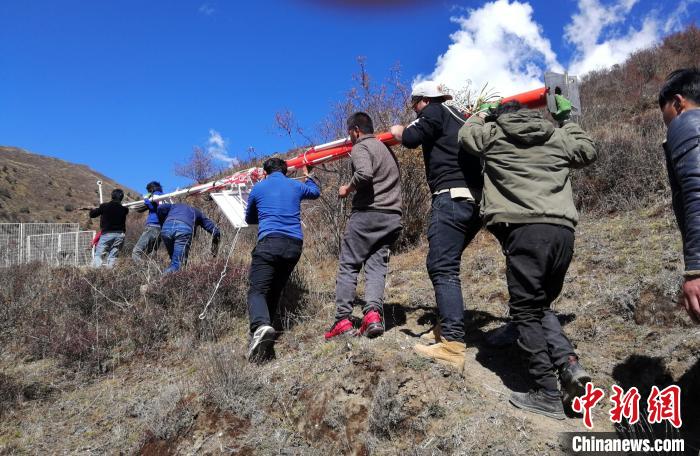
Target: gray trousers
366	242
147	243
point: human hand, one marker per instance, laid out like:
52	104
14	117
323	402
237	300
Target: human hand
690	298
397	131
344	191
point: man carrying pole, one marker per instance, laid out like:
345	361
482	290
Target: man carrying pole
456	183
150	238
374	225
528	205
113	228
180	222
275	205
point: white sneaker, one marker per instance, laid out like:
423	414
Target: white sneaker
260	343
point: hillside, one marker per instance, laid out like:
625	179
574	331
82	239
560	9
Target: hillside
36	188
99	367
119	362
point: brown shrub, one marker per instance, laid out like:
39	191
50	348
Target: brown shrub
621	112
93	318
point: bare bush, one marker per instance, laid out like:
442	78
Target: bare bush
231	384
199	166
92	319
386	414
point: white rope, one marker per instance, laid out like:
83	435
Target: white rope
203	315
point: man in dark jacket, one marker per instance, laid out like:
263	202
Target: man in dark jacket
455	182
374	225
113	228
679	100
179	224
528	205
150	238
275	205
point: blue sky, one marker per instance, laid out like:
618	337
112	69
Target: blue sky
129	87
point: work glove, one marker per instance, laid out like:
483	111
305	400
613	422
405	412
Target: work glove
486	109
563	109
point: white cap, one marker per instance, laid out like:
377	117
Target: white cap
430	89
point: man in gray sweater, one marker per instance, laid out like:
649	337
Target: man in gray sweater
374	225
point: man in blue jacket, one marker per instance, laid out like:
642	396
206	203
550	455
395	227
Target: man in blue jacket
679	100
150	238
179	224
275	205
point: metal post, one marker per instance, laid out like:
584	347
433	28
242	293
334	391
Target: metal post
20	250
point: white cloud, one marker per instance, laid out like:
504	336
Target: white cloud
595	21
499	44
216	147
674	21
206	9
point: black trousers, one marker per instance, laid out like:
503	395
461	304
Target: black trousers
274	259
537	258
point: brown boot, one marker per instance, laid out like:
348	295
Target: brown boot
448	352
432	336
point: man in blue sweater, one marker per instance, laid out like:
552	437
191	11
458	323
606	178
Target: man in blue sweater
179	224
150	238
679	100
275	205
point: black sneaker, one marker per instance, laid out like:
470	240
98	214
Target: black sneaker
573	378
503	337
261	344
536	401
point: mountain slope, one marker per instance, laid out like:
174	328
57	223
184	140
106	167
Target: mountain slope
36	188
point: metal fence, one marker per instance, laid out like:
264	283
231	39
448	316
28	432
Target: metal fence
13	238
61	249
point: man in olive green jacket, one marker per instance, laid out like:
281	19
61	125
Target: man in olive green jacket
528	205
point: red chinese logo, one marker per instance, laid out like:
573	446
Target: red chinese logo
585	403
625	405
662	405
665	405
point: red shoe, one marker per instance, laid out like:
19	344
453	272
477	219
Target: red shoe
372	325
340	327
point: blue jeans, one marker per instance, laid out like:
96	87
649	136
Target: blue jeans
177	237
453	225
110	243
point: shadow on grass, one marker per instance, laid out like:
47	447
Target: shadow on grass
508	362
643	372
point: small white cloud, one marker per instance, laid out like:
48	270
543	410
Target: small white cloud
674	21
206	9
499	44
595	21
216	147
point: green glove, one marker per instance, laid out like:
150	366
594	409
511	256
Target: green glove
487	107
563	108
